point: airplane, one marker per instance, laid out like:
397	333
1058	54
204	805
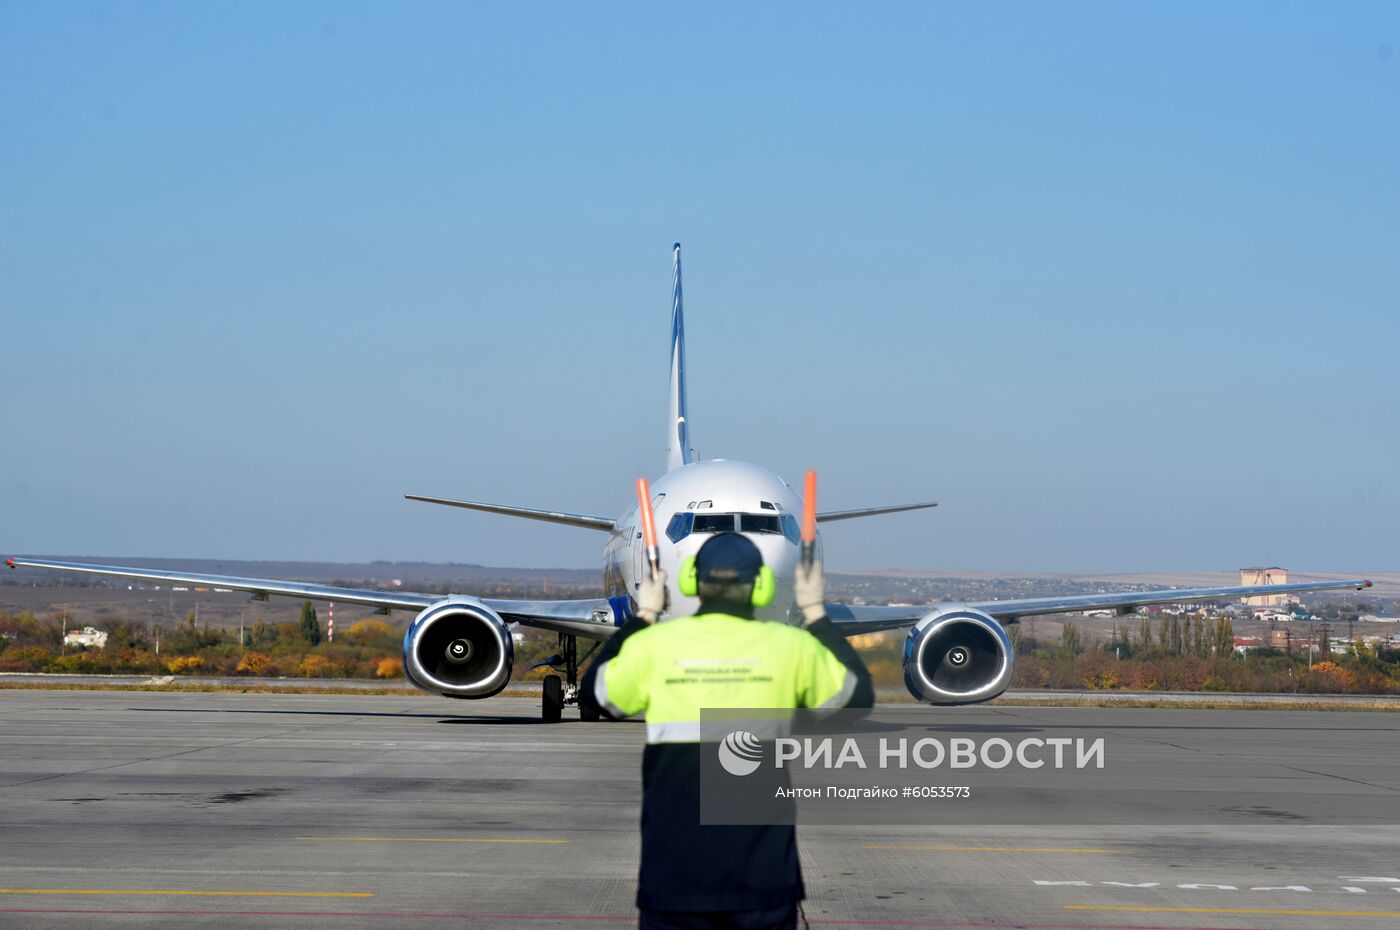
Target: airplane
461	646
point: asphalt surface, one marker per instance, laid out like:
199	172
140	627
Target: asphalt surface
46	679
138	809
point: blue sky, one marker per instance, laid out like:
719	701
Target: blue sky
1116	283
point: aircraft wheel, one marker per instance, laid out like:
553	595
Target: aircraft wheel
589	713
552	699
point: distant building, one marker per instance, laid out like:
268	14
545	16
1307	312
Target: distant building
1264	576
1245	643
88	636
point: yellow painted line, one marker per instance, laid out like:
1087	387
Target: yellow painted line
1297	912
1033	849
423	839
221	894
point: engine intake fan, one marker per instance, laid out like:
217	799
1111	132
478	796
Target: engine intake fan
957	656
460	649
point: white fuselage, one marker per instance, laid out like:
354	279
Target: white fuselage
693	502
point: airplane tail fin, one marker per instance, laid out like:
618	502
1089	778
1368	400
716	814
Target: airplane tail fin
678	450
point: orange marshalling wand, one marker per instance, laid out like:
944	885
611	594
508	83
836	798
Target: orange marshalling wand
648	526
809	520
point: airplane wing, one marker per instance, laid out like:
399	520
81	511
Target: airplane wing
830	515
594	618
582	520
854	620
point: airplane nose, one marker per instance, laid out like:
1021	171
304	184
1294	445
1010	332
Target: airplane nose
781	556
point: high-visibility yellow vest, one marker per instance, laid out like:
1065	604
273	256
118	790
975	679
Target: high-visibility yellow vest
671	670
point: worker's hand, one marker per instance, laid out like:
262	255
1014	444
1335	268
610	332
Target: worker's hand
652	596
810	593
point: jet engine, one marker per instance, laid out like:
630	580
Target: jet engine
957	655
458	648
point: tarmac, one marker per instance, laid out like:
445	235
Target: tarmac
138	809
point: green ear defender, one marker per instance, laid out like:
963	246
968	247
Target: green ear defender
765	586
688	583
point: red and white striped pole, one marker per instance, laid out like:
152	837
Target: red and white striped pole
330	623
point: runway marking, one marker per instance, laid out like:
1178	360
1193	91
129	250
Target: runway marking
166	892
1296	912
429	839
1031	849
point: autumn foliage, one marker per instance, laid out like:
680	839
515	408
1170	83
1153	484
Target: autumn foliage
1162	655
1170	655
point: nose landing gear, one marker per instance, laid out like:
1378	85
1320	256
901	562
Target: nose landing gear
558	692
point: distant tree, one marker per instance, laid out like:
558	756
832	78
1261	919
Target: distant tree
316	666
1224	637
182	665
261	633
254	663
1145	633
1070	641
1200	642
370	630
310	626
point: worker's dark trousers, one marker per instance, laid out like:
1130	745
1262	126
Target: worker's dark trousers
778	918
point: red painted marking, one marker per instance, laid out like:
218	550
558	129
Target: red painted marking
1366	585
11	562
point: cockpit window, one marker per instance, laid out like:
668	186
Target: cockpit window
679	527
759	523
790	530
714	523
685	523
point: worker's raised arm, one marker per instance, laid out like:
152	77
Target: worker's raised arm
855	688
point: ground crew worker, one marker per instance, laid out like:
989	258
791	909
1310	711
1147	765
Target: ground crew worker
693	875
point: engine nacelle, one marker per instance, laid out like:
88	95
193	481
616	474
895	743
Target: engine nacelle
458	648
957	655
